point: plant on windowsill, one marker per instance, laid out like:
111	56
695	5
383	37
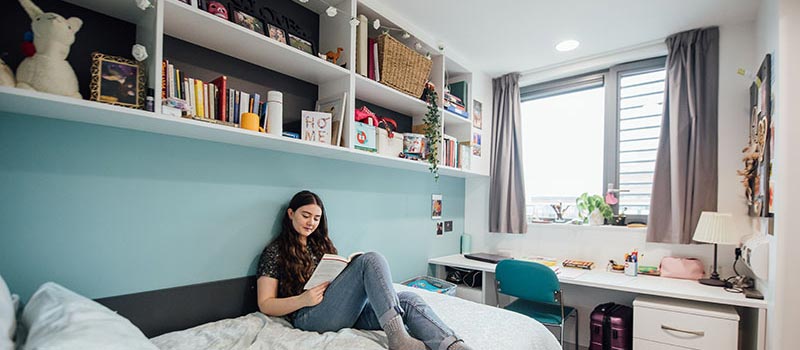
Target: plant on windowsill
433	127
593	209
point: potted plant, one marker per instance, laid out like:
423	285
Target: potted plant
593	209
433	126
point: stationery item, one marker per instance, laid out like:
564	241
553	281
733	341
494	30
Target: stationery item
649	270
275	112
683	268
631	268
579	264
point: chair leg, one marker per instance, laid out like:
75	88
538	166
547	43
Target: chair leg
562	333
577	347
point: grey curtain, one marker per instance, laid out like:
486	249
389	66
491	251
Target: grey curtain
507	186
685	180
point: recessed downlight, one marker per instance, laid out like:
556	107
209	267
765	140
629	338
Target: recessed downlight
567	45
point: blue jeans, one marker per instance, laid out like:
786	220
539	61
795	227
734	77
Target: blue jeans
362	297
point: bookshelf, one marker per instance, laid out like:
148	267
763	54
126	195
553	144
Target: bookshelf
186	22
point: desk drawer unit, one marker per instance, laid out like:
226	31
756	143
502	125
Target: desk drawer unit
681	324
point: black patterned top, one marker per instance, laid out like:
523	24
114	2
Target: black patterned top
268	264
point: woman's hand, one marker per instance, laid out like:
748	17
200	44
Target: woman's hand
314	295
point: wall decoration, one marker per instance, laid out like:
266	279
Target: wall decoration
758	154
301	44
316	126
248	21
117	80
217	9
476	143
439	228
277	33
436	206
477	114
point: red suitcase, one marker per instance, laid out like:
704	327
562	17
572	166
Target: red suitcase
612	327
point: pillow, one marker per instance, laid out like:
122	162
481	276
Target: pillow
57	318
8	317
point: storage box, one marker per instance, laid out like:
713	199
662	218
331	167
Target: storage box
391	146
365	137
415	146
432	284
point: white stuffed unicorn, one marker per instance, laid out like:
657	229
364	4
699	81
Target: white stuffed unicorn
48	69
6	75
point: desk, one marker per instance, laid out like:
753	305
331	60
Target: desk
599	278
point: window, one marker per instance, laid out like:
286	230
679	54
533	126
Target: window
593	133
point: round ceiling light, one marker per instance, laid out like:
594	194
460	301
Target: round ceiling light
567	45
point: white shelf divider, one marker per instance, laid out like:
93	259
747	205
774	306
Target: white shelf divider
38	104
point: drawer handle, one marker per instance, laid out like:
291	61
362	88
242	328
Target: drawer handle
697	333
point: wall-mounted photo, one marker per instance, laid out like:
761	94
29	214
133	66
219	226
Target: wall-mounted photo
117	80
248	21
301	44
276	33
476	144
477	114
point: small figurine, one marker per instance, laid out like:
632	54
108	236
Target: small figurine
6	75
217	9
48	70
333	57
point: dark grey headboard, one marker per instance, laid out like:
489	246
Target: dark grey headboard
166	310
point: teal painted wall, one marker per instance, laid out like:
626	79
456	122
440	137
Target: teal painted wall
106	211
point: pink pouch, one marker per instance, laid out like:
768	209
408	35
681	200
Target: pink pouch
685	268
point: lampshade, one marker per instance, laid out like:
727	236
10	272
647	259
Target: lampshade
715	228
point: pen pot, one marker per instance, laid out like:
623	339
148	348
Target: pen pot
631	268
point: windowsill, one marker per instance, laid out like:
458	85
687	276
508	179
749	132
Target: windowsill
567	226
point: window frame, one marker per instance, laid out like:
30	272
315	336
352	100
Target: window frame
610	80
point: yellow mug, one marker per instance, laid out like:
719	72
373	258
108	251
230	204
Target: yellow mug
250	122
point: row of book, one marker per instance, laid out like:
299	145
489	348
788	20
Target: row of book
210	100
454	98
455	154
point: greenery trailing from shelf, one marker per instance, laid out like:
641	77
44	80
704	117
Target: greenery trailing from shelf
433	127
587	204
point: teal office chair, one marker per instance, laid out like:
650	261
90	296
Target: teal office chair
538	293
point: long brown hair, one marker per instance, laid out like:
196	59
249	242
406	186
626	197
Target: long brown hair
294	264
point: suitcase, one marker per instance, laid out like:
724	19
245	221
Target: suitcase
611	327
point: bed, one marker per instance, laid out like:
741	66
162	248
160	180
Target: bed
481	326
223	315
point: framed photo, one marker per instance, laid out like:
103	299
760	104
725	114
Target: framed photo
276	33
117	80
477	114
336	107
248	21
301	44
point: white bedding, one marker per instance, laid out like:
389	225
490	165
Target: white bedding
482	326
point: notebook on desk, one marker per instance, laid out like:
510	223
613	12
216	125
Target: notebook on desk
486	257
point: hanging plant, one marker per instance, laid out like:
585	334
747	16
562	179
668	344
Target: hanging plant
433	127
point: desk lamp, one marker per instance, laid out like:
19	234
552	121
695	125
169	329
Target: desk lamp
715	228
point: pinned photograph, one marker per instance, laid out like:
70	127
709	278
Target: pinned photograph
117	80
476	144
436	206
477	114
439	228
248	21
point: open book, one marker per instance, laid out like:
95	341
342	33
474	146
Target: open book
329	268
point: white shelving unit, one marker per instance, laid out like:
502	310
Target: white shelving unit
188	23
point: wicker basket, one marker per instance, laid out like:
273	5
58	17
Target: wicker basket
401	67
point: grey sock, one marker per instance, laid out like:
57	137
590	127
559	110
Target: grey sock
399	339
459	345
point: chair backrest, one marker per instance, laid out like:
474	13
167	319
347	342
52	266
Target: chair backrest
527	280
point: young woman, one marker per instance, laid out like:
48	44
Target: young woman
361	297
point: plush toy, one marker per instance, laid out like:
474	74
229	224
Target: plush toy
6	75
334	56
217	9
48	70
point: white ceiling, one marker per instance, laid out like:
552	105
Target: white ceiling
503	36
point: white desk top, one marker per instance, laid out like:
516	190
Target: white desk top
651	285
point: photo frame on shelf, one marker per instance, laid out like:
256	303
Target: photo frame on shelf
248	21
117	80
477	114
336	107
276	33
301	44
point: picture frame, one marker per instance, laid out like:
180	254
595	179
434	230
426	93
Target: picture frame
477	114
301	44
336	107
117	80
276	33
248	21
758	159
